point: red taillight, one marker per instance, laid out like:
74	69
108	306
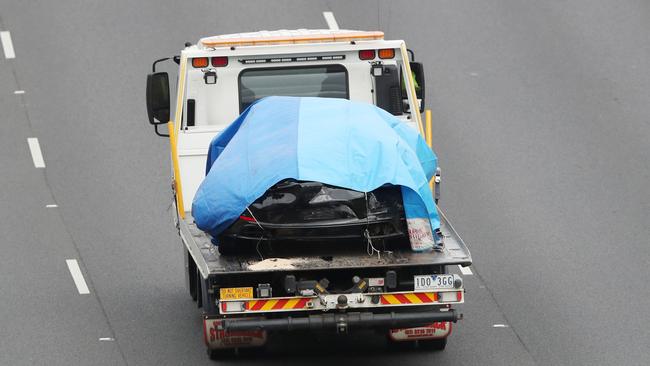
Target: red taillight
199	62
219	61
367	54
386	53
246	218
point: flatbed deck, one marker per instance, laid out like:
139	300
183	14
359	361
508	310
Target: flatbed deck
210	262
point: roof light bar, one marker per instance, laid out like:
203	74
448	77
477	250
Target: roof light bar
249	61
246	40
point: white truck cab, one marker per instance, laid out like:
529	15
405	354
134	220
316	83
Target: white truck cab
222	75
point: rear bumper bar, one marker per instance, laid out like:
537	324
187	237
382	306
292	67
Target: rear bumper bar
342	321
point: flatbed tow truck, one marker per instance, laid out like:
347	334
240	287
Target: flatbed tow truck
408	295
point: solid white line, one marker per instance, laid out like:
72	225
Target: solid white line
51	206
78	278
19	92
37	155
465	270
7	45
331	21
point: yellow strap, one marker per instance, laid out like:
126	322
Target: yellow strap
412	96
173	137
177	174
429	140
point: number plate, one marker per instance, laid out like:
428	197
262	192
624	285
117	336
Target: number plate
433	282
233	293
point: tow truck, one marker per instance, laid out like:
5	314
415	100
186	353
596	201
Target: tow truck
409	296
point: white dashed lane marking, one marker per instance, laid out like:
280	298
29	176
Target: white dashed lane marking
37	155
465	270
19	92
77	276
331	21
7	45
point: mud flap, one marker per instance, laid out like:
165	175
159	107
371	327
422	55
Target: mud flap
217	338
436	330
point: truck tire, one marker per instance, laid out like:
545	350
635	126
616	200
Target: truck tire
221	354
191	271
433	344
251	352
401	346
198	288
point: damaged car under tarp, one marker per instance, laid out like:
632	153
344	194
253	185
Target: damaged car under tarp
297	212
335	142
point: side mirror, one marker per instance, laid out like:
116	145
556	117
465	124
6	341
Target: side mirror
418	76
158	103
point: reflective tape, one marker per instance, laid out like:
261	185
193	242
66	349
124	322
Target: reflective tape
277	304
409	298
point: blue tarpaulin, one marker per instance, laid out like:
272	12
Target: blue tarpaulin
334	141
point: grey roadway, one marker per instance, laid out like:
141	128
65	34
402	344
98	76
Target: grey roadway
541	124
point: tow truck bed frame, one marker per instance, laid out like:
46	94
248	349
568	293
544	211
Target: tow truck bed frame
209	262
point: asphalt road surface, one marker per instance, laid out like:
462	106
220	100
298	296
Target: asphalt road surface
540	122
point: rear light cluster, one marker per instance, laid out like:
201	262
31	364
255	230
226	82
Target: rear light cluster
201	62
383	54
233	306
455	296
265	302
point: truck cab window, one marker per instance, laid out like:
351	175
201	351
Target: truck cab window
329	81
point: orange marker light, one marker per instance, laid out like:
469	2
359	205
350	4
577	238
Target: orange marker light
200	62
386	53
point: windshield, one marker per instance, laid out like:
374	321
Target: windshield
329	81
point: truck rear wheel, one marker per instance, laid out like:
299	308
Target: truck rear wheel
191	271
198	288
425	344
400	346
433	344
221	353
